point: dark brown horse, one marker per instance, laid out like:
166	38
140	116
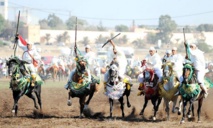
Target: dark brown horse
190	92
150	90
53	70
82	84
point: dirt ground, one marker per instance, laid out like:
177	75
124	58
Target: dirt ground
56	113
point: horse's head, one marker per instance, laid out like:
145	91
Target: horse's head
148	75
113	72
167	69
187	72
81	64
16	67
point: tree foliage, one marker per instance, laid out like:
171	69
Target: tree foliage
121	28
71	23
205	27
166	26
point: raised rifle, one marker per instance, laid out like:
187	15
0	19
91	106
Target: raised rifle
75	47
16	38
111	39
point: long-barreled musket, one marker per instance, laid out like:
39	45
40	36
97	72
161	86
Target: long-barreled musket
76	27
16	40
111	39
185	43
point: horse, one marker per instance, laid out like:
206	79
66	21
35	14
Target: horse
20	83
150	90
190	91
168	87
82	85
53	70
117	89
61	73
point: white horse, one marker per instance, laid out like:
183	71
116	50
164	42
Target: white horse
168	87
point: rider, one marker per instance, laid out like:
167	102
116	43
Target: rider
29	54
166	57
90	57
177	59
119	57
154	60
80	60
198	61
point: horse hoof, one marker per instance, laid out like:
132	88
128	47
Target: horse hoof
36	107
13	111
69	103
198	121
179	113
182	121
189	116
154	118
128	105
173	111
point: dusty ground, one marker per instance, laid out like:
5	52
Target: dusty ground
56	114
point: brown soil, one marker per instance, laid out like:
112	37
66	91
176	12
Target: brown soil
56	113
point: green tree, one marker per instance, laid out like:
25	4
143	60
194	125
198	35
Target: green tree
121	28
205	27
151	38
166	26
124	39
85	41
47	37
2	23
8	33
44	24
65	37
139	43
100	39
204	47
55	22
100	27
59	39
71	22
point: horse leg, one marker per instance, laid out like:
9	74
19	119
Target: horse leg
184	111
122	106
156	106
127	98
111	106
144	106
38	95
180	106
69	102
92	91
82	102
200	102
190	109
31	96
174	104
16	97
167	109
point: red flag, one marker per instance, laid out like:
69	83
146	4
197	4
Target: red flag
23	42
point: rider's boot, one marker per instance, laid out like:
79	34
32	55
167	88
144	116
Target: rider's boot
141	91
67	85
33	80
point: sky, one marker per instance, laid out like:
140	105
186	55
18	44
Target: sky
117	12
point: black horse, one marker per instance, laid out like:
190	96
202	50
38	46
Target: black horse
117	88
80	85
20	83
190	91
